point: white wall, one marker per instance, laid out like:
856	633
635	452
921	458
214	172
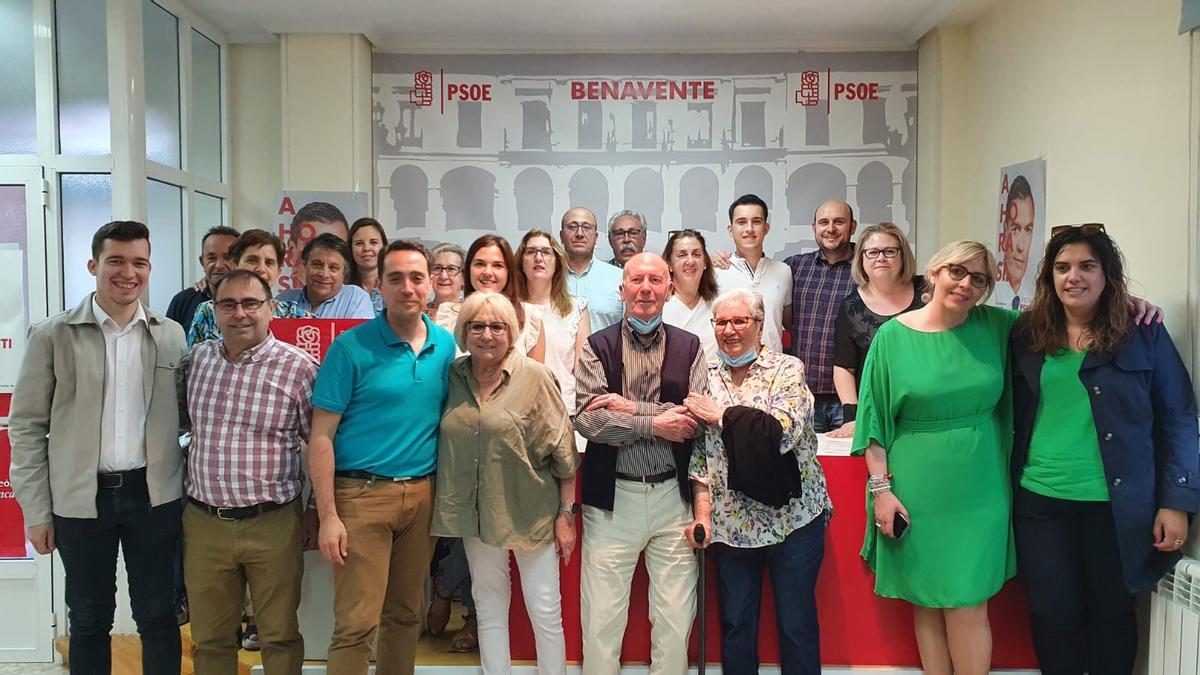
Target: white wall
255	136
1102	91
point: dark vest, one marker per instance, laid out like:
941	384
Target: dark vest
600	460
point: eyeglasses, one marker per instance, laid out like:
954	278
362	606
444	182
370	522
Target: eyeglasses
545	252
478	328
958	273
577	228
626	234
738	323
448	270
1086	228
251	305
889	252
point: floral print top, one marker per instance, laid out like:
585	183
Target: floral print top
775	384
204	324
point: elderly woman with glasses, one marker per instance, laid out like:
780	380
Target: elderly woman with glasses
506	479
884	269
759	488
447	276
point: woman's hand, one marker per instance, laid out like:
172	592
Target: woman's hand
689	532
564	536
844	431
1170	529
703	407
1144	311
886	508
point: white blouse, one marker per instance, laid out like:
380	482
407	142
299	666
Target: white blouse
696	320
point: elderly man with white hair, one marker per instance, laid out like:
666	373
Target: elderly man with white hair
759	488
626	236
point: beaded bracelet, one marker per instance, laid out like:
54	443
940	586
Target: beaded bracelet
878	483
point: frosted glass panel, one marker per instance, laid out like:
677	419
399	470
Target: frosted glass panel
204	153
164	208
82	59
86	205
18	123
160	41
208	213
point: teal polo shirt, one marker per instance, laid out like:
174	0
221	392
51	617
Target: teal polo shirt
390	399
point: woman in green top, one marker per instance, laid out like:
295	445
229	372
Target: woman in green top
934	420
1103	459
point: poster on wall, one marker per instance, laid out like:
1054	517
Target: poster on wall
12	315
302	215
1022	232
467	145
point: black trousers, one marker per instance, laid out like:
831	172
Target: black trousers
1083	613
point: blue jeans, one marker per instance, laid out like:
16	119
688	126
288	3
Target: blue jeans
827	412
149	539
793	565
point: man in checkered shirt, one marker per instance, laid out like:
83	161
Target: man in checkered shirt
249	400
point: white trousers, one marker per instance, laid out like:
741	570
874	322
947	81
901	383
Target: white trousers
492	589
645	519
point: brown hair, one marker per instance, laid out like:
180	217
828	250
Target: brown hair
353	276
254	239
559	296
708	278
506	253
1044	325
908	263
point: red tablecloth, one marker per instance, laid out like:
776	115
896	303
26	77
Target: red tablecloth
857	628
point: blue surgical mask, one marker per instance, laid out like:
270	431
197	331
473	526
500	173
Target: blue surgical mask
738	361
644	327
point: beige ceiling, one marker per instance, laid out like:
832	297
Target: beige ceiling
596	25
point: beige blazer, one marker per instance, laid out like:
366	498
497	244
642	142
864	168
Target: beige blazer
54	423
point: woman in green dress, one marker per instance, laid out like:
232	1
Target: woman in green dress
934	420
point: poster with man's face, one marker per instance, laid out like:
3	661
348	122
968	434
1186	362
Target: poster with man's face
1022	232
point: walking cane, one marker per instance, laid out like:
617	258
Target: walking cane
698	533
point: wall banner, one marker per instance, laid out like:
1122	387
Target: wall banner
472	144
1022	232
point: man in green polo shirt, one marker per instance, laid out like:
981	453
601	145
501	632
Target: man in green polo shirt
377	404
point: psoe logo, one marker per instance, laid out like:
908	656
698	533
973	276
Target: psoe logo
421	93
809	93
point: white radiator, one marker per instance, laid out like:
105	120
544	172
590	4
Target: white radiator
1174	647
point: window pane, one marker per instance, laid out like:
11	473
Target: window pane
86	205
82	59
18	122
164	210
204	153
160	40
208	213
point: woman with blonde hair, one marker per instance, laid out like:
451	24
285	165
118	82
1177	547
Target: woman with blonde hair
888	284
541	285
506	480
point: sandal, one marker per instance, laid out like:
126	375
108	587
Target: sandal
439	610
467	639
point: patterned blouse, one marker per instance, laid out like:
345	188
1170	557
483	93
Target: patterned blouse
204	324
774	383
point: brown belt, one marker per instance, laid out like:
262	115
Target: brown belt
656	478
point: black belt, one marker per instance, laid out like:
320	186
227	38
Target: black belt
238	512
656	478
376	478
118	479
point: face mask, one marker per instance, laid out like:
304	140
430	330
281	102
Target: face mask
644	327
738	361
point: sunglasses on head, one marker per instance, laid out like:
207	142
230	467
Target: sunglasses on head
687	232
1086	228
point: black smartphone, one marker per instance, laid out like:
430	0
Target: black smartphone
899	525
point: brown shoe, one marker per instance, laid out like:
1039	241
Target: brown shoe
467	639
439	610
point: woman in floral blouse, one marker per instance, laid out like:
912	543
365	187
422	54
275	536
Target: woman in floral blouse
759	490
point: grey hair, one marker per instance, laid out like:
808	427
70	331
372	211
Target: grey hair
622	214
747	297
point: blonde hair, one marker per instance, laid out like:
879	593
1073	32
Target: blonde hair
475	304
908	263
961	252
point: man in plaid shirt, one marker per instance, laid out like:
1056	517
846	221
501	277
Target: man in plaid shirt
820	280
249	400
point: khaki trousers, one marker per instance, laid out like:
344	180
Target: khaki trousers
382	584
645	519
220	557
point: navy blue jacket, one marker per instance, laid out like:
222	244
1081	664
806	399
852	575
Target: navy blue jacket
1144	410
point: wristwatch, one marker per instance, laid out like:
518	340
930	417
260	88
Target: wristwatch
569	509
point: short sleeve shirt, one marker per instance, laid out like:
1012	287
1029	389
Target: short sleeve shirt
390	399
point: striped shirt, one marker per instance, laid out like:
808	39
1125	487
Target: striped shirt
818	288
248	418
640	452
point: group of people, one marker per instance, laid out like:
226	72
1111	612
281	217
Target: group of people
1060	441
